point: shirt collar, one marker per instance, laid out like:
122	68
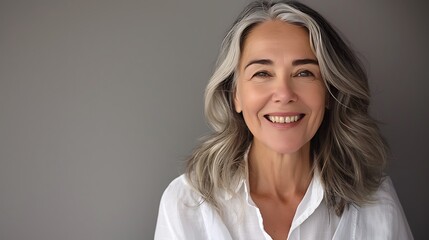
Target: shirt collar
311	200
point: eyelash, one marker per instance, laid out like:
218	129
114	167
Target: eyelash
265	74
308	74
262	74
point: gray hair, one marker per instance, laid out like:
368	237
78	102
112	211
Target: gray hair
348	150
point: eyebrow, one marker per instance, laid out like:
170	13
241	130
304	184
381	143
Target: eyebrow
304	61
294	62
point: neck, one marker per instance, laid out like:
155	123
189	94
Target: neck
279	175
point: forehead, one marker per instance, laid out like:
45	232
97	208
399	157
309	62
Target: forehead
275	35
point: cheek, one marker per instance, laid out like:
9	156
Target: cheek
252	101
250	109
317	102
316	97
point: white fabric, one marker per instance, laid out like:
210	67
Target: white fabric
182	217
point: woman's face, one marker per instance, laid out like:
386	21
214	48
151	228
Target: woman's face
279	87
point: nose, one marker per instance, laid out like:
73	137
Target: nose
284	91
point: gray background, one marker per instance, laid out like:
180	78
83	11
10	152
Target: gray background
101	102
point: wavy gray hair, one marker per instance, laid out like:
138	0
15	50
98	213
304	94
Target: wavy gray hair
348	149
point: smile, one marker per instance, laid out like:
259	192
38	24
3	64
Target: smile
284	119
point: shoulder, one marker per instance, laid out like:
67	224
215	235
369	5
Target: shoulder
386	192
180	190
180	215
384	217
384	200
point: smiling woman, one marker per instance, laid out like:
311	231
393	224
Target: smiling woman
268	88
293	143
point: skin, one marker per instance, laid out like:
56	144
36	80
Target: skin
278	75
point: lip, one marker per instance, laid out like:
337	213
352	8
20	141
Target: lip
284	114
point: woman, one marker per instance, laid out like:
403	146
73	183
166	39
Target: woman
294	153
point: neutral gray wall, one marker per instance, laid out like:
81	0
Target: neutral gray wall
101	101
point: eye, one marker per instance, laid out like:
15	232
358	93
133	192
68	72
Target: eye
304	73
262	74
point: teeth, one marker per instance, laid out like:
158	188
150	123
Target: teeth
281	119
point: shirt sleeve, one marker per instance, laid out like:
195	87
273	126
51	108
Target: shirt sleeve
384	219
179	215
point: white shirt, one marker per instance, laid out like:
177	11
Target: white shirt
181	217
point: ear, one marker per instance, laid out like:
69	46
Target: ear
237	102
